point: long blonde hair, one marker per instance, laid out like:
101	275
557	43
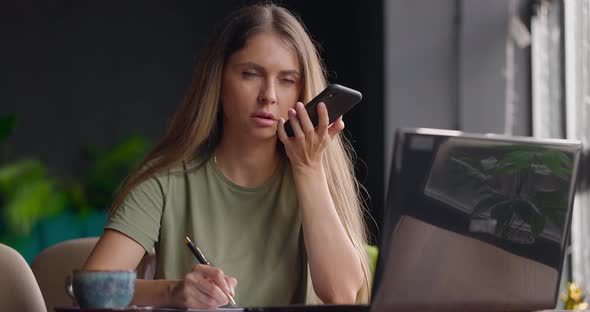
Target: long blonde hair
196	126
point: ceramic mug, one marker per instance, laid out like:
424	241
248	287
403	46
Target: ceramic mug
101	289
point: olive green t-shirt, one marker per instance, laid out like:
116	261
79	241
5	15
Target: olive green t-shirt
252	234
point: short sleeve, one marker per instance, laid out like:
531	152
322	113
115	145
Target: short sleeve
139	216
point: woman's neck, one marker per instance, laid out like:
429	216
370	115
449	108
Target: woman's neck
247	163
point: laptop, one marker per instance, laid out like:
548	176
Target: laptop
475	222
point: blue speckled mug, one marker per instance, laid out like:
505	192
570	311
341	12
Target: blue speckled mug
102	289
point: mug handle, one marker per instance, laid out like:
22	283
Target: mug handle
70	287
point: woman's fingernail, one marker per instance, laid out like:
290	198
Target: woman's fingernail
292	112
299	105
282	120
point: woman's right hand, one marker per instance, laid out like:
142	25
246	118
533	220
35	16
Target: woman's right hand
204	288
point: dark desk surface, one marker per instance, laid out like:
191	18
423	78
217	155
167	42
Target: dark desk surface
291	308
78	309
326	308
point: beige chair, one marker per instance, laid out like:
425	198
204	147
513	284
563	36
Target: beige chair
53	264
19	290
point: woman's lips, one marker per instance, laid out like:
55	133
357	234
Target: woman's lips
263	119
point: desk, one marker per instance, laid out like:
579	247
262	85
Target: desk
128	309
291	308
326	308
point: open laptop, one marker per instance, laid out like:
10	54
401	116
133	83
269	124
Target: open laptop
475	222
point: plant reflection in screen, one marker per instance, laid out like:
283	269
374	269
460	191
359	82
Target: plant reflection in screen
537	178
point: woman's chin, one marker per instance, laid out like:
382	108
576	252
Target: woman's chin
266	133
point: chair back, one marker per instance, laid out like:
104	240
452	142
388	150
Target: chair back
54	264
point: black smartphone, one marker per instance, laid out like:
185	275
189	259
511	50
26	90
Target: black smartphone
338	99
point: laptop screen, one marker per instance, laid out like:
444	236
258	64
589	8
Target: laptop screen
475	221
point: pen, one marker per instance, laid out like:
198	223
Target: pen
202	260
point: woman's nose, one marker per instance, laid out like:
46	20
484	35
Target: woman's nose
268	94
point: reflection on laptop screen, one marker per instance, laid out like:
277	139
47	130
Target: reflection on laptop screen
473	221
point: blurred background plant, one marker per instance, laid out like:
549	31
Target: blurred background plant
108	166
40	208
573	298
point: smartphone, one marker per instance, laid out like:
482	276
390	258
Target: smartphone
338	99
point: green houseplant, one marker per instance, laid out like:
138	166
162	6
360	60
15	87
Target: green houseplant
521	212
27	193
108	167
39	208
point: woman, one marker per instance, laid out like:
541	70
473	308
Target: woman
280	215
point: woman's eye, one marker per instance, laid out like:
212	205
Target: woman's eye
249	74
288	80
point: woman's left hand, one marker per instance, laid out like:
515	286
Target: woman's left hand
306	147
